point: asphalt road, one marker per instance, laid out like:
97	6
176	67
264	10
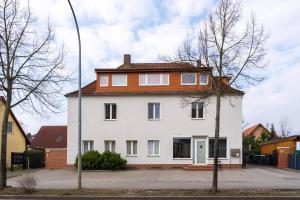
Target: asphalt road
155	198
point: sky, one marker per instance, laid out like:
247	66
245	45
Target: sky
149	28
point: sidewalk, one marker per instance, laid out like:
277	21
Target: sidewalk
251	178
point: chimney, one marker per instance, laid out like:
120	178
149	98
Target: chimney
127	59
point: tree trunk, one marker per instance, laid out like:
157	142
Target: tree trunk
216	144
4	143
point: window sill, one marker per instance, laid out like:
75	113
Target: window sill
154	119
188	84
182	158
132	155
218	158
153	155
110	120
203	84
198	118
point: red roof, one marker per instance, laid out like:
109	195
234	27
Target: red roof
51	137
250	130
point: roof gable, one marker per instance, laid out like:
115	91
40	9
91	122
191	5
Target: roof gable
2	99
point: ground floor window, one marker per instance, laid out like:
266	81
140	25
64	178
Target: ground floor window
131	147
181	147
222	147
110	145
153	147
88	145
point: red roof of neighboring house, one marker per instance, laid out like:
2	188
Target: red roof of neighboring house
51	137
250	130
17	122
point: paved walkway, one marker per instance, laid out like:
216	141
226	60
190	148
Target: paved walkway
251	178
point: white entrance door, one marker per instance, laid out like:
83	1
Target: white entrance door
200	152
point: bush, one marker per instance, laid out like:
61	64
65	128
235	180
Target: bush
93	160
90	160
112	161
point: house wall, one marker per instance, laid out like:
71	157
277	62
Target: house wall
132	124
258	131
15	141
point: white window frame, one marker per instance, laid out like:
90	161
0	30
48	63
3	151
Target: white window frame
202	83
197	107
12	127
101	76
153	148
112	78
131	148
153	111
160	79
89	142
195	75
110	111
110	145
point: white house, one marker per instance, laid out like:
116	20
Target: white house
140	111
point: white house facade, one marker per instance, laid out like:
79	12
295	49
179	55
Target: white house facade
142	112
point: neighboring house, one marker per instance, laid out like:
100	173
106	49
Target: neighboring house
139	110
54	140
256	130
289	142
16	137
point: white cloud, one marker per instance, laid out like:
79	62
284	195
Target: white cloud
146	29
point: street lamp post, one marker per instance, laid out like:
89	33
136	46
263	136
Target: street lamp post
79	98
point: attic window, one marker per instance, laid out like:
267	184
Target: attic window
103	80
59	139
203	79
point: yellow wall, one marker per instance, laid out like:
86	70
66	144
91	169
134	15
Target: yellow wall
15	141
268	148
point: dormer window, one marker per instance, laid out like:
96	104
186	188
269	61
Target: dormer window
154	79
203	79
103	80
188	79
119	80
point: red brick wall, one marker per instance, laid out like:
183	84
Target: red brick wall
283	157
56	158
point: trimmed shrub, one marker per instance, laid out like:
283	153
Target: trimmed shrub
90	160
112	161
93	160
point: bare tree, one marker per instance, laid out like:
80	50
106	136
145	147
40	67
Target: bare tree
229	49
31	68
284	129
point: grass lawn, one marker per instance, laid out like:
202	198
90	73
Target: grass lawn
103	192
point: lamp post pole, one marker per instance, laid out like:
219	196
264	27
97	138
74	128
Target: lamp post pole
79	98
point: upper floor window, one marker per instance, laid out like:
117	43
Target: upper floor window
110	145
154	111
103	80
188	79
119	80
9	127
88	145
203	79
154	79
110	111
197	110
